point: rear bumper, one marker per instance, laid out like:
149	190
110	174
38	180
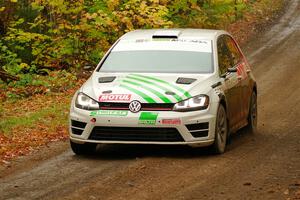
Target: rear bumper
190	135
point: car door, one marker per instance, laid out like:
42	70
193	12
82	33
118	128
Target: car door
231	84
243	78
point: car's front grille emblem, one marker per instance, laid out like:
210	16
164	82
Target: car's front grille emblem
135	106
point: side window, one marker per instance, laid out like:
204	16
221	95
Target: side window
235	53
224	55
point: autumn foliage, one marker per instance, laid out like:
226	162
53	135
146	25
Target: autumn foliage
68	34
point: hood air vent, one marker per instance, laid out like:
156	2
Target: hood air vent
185	81
107	79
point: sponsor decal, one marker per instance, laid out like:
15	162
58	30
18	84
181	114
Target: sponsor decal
171	121
114	97
193	41
148	118
142	40
109	113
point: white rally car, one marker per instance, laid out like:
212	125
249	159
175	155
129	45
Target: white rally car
166	86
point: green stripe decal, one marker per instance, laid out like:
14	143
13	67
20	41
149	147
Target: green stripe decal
178	98
185	93
158	94
143	95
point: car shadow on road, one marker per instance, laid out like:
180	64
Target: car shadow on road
129	151
240	138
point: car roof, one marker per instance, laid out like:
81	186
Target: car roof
146	34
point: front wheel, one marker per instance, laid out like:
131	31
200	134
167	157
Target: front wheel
83	149
221	131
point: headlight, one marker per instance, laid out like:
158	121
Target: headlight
85	102
199	102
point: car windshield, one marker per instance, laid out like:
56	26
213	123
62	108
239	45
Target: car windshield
162	57
158	61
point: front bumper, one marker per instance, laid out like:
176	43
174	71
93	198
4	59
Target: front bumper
185	124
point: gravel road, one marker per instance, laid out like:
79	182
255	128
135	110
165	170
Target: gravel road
265	165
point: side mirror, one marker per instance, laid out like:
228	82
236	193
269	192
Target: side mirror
229	70
232	69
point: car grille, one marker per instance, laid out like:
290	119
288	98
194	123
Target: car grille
198	130
136	134
77	127
145	106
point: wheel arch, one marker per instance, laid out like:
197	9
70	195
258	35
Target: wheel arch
223	102
254	88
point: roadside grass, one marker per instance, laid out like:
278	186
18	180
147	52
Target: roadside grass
47	115
27	124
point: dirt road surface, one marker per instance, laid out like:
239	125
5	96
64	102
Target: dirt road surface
265	165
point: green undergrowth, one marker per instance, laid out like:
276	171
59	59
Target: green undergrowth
32	84
48	116
46	112
29	123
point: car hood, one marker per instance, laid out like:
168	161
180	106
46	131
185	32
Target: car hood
145	87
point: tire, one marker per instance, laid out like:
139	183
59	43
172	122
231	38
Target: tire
221	131
83	149
252	116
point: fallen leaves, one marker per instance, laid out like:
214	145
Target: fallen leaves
23	141
47	121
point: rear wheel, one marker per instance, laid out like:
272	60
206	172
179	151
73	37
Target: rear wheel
221	131
83	149
252	116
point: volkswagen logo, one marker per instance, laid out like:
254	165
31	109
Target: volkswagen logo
135	106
